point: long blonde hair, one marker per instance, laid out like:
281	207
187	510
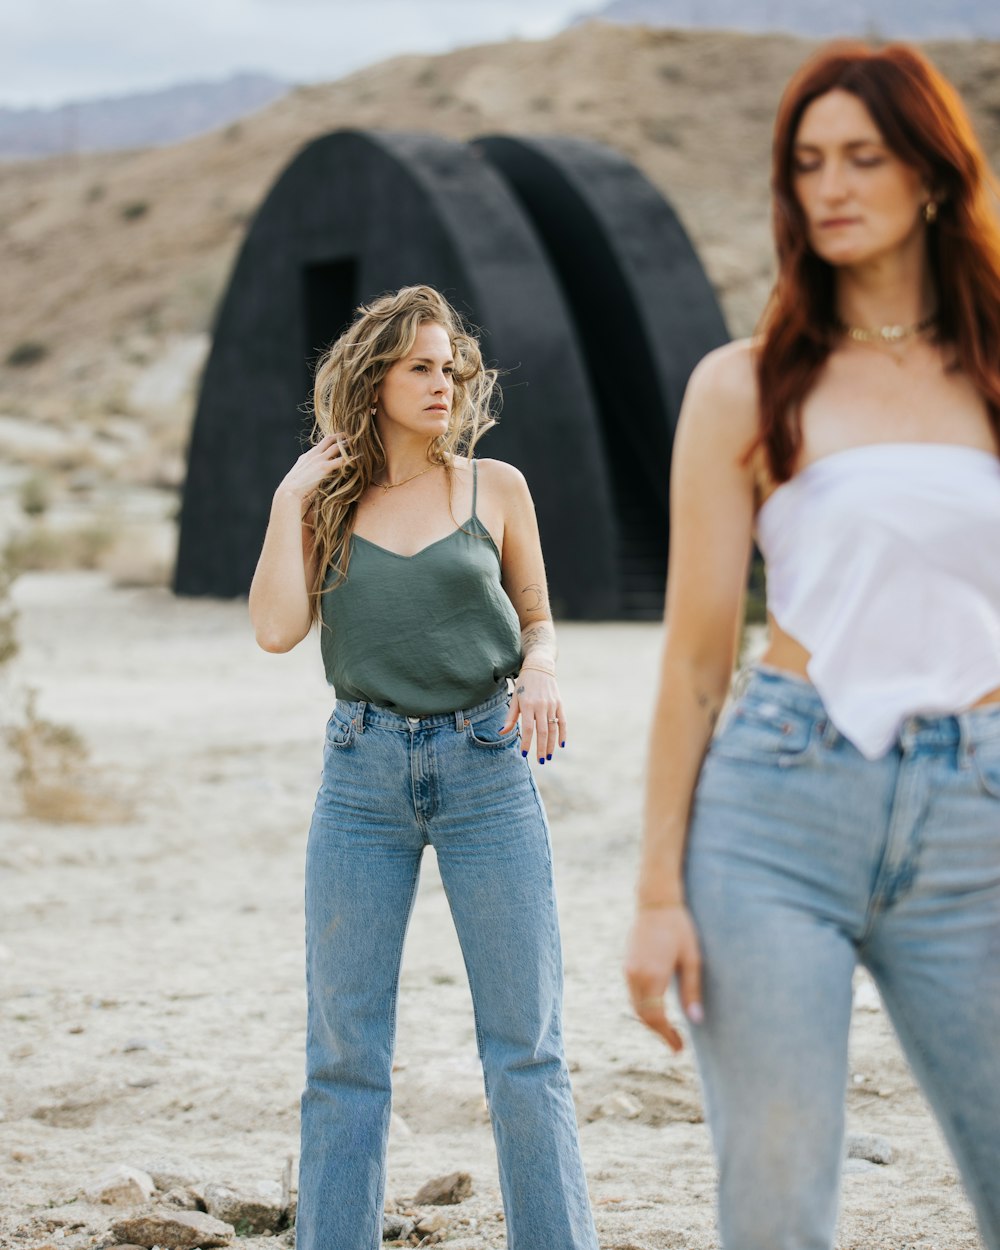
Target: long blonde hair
347	380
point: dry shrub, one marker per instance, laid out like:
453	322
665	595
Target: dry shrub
27	353
47	763
52	772
35	494
8	614
41	547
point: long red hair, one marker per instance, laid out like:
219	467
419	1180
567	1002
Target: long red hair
922	120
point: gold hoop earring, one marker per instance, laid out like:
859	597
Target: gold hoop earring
930	211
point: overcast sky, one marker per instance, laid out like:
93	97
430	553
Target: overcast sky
52	51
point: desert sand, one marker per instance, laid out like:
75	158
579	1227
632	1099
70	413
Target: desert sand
151	967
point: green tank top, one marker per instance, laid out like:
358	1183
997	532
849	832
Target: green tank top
421	634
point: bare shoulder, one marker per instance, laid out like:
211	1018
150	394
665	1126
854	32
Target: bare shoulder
502	478
721	396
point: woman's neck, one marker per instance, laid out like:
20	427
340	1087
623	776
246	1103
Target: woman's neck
892	290
404	456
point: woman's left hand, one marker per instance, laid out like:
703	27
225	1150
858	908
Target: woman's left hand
536	700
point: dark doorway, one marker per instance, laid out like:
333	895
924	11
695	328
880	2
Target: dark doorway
330	295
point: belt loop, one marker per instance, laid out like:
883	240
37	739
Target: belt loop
459	721
965	746
359	717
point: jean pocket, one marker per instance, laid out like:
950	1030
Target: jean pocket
986	757
766	733
339	731
486	733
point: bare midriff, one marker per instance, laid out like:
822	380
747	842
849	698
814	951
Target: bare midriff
791	657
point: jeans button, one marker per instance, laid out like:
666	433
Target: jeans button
414	720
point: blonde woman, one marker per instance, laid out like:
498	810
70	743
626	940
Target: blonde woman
424	569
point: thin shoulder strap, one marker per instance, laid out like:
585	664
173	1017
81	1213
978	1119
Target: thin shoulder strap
475	487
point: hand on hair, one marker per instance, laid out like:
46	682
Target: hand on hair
313	467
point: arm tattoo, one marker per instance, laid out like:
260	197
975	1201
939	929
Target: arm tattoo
537	635
536	594
519	690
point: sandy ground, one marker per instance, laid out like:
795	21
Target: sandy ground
152	996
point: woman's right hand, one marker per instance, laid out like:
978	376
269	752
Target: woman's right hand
313	467
662	942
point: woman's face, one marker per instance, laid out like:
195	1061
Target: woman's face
861	202
416	393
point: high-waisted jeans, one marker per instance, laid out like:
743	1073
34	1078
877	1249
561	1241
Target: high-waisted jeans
392	785
804	859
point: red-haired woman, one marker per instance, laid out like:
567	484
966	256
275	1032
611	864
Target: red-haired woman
848	811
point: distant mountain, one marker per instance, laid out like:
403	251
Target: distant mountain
897	19
146	119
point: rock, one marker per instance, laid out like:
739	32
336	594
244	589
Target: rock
433	1223
871	1147
853	1166
174	1230
444	1191
183	1199
396	1227
72	1215
250	1208
617	1106
122	1187
174	1173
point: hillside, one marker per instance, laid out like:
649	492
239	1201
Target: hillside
113	263
143	119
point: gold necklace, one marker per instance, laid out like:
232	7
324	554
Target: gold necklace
887	333
388	486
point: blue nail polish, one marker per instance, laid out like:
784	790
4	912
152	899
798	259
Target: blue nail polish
562	744
548	757
541	759
524	755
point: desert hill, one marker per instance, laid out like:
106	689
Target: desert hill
141	119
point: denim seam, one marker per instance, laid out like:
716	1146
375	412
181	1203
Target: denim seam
392	1050
541	815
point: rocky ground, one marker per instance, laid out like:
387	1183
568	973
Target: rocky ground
150	969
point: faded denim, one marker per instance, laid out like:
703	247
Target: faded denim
804	860
391	786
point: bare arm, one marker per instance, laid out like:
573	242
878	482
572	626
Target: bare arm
286	573
712	507
536	694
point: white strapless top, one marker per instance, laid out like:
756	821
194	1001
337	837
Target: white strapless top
883	561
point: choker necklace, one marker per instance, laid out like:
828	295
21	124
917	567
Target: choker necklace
887	333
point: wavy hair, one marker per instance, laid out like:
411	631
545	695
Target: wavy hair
348	377
922	120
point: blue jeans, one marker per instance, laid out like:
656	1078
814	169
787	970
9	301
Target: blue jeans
391	785
803	860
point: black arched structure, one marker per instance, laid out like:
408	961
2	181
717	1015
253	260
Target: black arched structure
644	314
353	215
